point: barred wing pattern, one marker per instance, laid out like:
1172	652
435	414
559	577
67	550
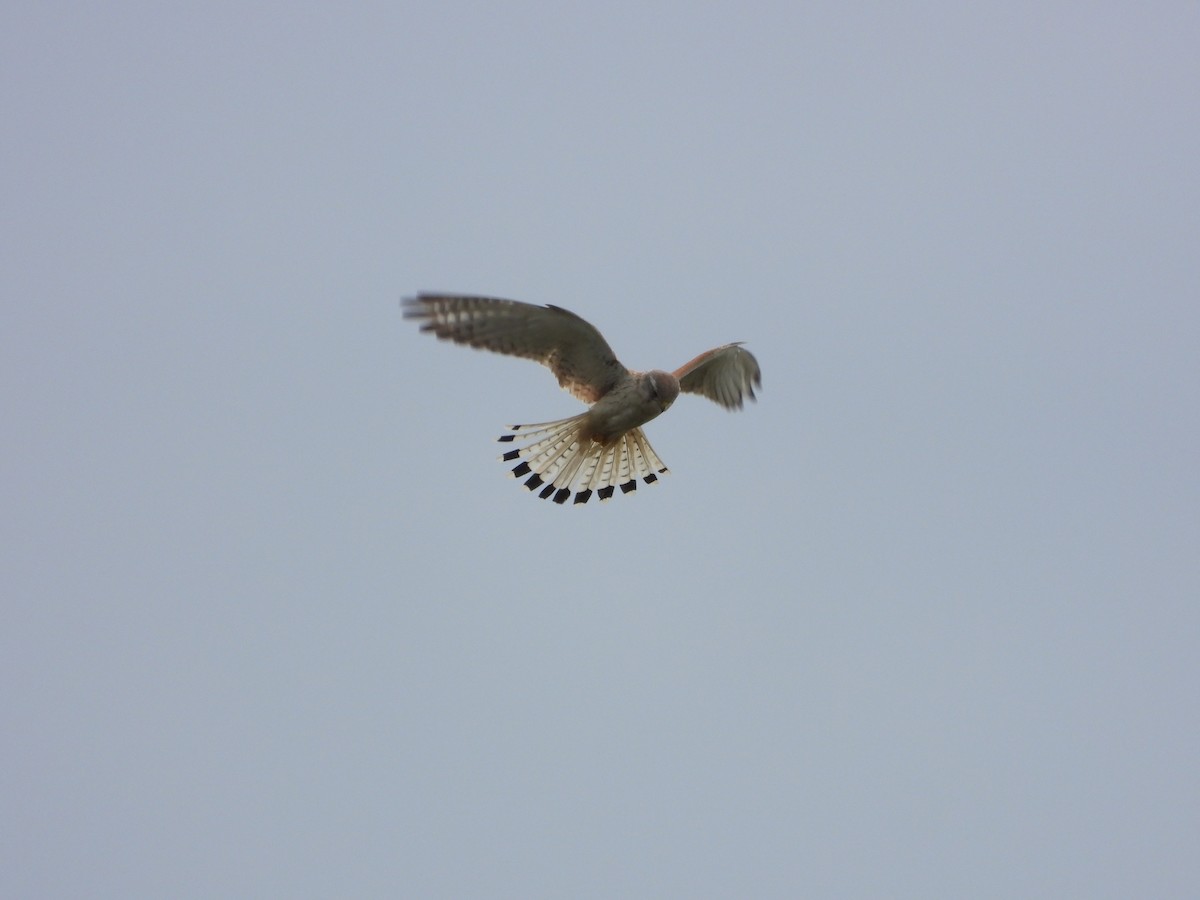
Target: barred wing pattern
572	348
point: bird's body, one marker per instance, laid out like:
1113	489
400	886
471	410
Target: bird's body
603	448
631	402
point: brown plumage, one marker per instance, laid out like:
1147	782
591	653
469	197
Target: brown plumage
604	447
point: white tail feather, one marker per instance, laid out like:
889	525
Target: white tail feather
559	460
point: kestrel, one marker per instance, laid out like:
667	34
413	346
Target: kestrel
604	447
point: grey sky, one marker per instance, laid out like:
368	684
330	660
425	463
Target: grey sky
922	622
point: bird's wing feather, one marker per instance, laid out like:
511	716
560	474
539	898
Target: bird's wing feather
725	375
572	348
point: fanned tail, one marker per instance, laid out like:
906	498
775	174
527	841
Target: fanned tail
559	461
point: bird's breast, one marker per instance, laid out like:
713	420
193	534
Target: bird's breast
620	410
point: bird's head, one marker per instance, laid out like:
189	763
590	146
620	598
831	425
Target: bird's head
660	388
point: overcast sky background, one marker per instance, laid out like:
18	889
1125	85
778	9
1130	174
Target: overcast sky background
922	622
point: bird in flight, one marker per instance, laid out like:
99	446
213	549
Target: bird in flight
604	447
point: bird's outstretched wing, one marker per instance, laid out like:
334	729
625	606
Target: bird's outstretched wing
725	375
572	348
